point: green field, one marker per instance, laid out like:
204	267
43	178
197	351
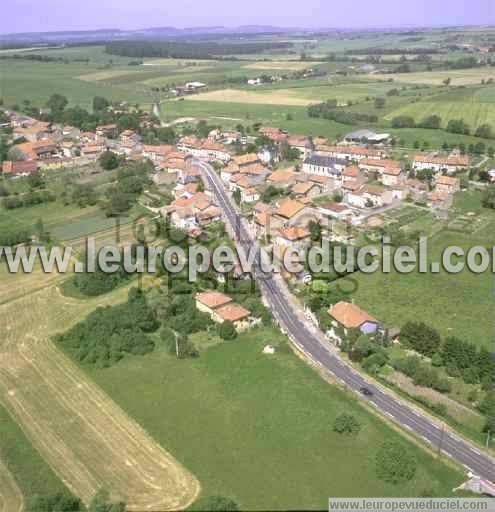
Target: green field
476	105
32	474
258	428
444	301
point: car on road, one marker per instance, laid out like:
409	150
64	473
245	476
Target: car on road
365	391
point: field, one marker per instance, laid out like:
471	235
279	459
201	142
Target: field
476	105
88	440
444	301
472	76
246	423
11	499
281	65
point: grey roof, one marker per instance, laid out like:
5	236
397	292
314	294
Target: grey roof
360	134
324	161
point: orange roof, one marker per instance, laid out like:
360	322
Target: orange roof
281	176
232	312
263	219
289	208
351	172
304	187
255	169
293	233
350	315
159	150
447	180
248	159
213	299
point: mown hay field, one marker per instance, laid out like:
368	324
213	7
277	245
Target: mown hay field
82	434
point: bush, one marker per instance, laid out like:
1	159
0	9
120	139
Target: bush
220	504
226	331
346	424
394	464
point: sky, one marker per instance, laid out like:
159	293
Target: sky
54	15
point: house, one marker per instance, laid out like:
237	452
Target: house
19	168
326	184
91	152
183	218
282	178
32	133
231	137
129	138
249	195
234	313
326	166
447	185
337	211
369	196
207	302
227	172
269	155
439	200
366	136
157	154
391	176
450	164
211	214
44	148
306	189
274	134
303	144
351	174
108	131
175	162
265	223
350	153
350	316
292	236
214	151
491	174
246	160
71	132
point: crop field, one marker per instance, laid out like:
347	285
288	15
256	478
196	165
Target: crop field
472	76
11	499
281	65
88	440
475	105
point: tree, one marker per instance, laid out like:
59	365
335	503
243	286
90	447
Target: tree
394	463
226	331
220	504
57	103
447	81
315	231
236	195
484	131
421	338
432	122
288	153
346	424
100	104
109	160
458	126
380	103
101	502
403	122
60	502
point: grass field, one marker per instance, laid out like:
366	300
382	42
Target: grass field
11	499
88	440
476	105
472	76
246	424
19	461
444	301
281	65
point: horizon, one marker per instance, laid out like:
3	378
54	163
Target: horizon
58	16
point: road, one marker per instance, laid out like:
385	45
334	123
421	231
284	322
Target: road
311	342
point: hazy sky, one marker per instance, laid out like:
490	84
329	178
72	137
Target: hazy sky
49	15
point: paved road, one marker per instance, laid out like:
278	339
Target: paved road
310	341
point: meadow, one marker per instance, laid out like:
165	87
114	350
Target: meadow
471	76
245	424
444	301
